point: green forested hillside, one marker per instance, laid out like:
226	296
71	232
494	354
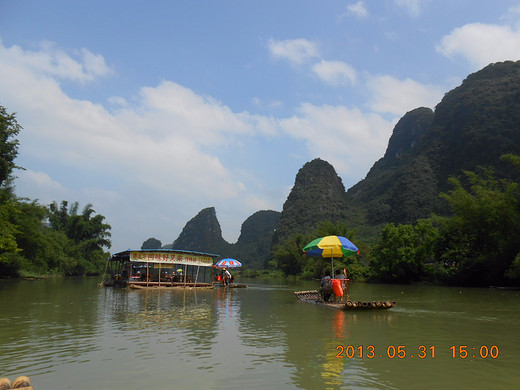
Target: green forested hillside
427	209
254	244
317	195
203	233
442	204
474	125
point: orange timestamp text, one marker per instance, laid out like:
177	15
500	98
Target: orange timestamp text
420	352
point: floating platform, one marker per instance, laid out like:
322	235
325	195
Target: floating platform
314	296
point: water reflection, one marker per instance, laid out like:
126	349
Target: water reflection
255	337
313	336
260	323
39	321
158	309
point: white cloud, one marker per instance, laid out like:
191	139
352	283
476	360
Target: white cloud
54	62
413	7
390	95
167	143
270	104
195	117
300	51
296	51
118	101
94	64
159	159
28	182
335	73
481	44
512	17
358	9
347	138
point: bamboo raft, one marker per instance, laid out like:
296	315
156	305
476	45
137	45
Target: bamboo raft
20	383
314	296
231	285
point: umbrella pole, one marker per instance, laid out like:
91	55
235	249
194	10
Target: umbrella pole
332	261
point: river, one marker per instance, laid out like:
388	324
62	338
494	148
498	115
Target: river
71	334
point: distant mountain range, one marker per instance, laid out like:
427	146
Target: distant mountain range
203	233
472	126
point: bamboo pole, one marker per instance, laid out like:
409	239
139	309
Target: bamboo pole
105	273
196	276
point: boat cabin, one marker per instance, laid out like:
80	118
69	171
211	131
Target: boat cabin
140	268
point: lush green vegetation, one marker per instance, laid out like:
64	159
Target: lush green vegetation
472	240
403	251
38	240
474	125
476	245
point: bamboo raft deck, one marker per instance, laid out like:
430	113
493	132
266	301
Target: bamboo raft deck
314	296
231	285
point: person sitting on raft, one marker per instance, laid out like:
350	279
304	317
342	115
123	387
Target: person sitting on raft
326	287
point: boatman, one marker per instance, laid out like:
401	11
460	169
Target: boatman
344	282
227	276
326	287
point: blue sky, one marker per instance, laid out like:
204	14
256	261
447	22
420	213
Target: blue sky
152	111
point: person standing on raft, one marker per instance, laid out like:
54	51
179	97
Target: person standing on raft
344	280
227	276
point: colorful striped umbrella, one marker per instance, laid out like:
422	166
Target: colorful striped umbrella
228	263
330	247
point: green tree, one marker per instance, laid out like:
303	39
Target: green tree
289	256
59	215
38	249
9	260
87	233
396	257
85	228
479	243
9	129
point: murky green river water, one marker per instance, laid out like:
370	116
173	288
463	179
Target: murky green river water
71	334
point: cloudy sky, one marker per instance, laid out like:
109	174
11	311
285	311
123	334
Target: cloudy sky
154	110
